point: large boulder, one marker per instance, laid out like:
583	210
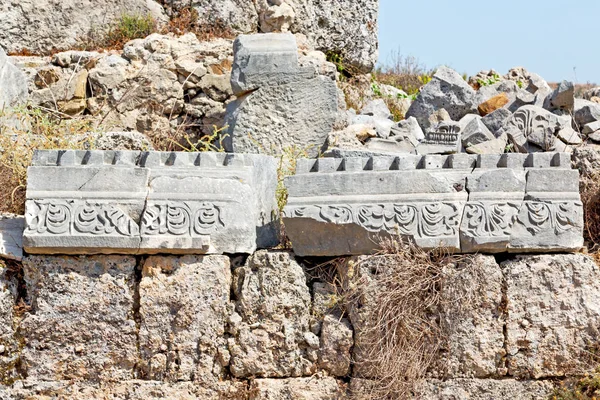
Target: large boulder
280	104
447	90
13	83
41	26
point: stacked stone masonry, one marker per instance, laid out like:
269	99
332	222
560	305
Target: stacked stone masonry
465	203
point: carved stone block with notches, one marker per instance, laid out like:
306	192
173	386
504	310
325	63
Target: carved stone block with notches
89	202
465	203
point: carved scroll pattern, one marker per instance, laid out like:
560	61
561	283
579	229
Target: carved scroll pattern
84	217
559	216
181	219
490	219
426	220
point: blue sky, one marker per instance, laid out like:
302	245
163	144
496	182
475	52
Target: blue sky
549	37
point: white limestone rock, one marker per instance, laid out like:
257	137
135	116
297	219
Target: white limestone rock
43	25
496	119
563	97
553	314
13	83
475	132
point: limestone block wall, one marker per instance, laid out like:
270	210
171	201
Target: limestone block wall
262	327
114	298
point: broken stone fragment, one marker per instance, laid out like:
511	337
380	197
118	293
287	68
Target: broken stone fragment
447	90
11	236
492	104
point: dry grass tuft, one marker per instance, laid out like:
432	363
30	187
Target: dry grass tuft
404	300
35	129
590	197
404	72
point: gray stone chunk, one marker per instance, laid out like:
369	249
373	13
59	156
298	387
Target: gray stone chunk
591	128
377	108
586	112
563	96
532	125
208	203
11	236
264	60
391	146
408	128
496	120
475	133
446	90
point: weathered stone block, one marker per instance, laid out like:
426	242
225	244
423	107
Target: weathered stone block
11	236
447	90
553	314
81	325
495	198
183	311
484	389
264	60
474	345
10	346
14	83
279	104
270	328
346	205
551	217
89	202
314	388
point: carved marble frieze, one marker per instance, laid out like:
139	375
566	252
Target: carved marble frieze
88	202
465	203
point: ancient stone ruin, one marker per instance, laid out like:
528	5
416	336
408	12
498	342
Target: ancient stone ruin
316	246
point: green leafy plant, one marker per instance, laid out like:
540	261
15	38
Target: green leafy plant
520	84
127	27
495	78
376	89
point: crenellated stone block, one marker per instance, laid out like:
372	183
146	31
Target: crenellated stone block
89	202
465	203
